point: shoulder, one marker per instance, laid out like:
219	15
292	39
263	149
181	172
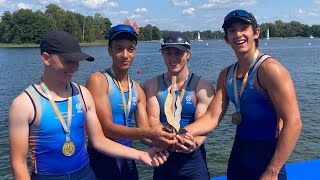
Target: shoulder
151	85
96	77
271	71
138	86
22	106
86	93
204	84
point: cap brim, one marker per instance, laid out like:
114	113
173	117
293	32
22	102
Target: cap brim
76	56
180	47
231	20
120	32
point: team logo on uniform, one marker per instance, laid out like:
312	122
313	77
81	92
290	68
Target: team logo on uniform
134	100
251	82
188	99
79	108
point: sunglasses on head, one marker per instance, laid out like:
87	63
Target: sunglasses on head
239	13
123	27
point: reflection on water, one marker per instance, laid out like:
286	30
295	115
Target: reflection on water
21	66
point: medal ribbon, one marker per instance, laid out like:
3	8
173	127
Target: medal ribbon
126	106
183	88
66	127
244	81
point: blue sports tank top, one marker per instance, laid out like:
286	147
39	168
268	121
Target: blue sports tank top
188	103
259	120
115	98
47	136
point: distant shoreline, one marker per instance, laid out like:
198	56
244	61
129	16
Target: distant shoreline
29	45
105	42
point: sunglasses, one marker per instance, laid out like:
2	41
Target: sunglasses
239	13
122	27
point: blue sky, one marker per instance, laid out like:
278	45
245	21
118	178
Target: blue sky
182	15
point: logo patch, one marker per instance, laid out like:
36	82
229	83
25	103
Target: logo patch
79	108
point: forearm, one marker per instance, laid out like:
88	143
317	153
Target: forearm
20	171
126	133
149	142
200	140
286	143
114	149
202	126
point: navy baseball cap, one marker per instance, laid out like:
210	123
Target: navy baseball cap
120	29
64	44
177	40
239	15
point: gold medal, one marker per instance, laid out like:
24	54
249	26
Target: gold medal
236	118
68	148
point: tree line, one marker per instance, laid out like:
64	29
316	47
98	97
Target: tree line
26	26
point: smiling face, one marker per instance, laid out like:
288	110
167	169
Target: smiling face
59	68
122	53
175	59
242	37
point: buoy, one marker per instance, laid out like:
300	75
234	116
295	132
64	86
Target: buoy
309	44
138	71
207	44
265	44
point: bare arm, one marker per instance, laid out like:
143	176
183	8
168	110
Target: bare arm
98	86
111	148
204	93
215	112
153	110
277	81
20	114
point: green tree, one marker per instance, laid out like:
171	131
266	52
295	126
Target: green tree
6	27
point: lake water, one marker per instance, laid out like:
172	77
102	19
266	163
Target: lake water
20	67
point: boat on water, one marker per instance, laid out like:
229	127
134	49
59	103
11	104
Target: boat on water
305	170
268	34
199	38
311	37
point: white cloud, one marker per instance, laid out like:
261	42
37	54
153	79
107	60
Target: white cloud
134	16
317	1
45	2
120	13
208	6
140	10
112	4
247	3
24	6
221	4
189	11
71	1
96	4
303	13
179	3
4	3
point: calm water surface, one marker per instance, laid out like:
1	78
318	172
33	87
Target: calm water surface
20	67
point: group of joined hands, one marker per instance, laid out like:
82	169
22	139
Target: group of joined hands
168	141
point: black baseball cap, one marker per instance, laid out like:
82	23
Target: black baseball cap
177	40
64	44
239	15
121	29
